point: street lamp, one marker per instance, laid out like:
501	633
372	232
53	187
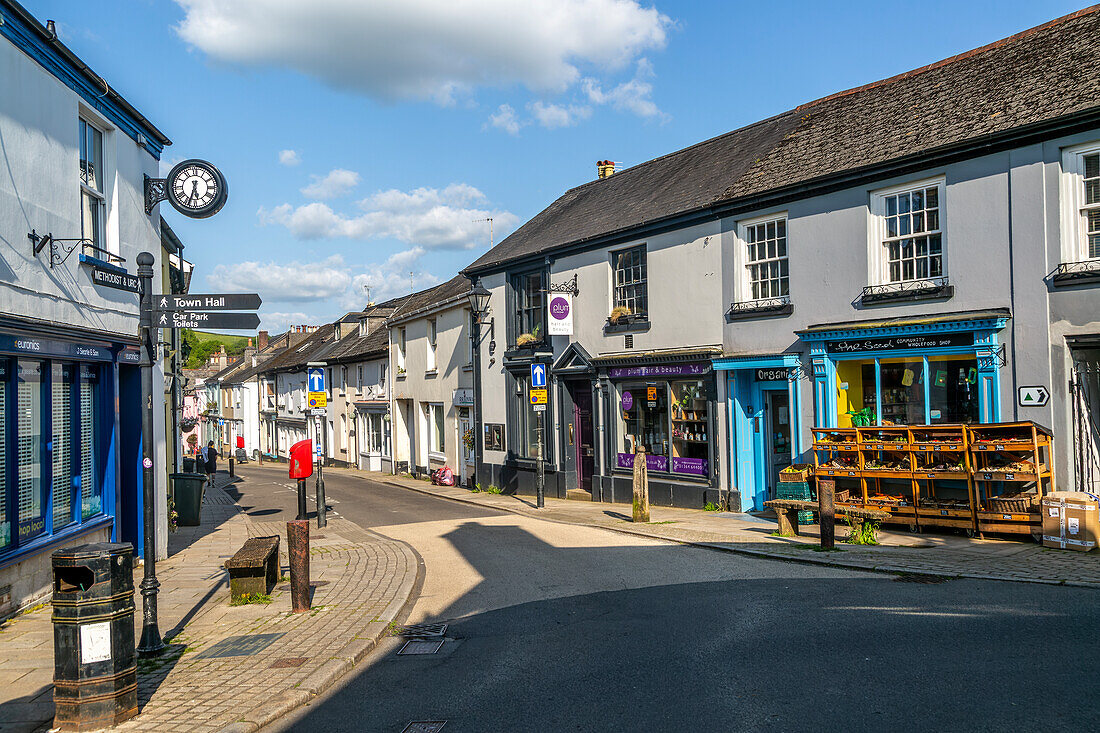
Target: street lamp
479	298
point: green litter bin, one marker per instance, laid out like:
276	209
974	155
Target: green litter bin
188	464
188	489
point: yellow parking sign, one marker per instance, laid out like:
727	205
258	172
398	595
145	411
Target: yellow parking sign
318	399
538	396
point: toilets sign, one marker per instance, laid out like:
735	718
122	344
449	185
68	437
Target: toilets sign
561	315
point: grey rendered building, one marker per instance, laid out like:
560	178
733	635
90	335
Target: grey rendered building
914	250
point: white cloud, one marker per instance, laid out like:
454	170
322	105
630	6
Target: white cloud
629	96
279	322
289	157
555	115
428	49
447	218
337	183
290	282
400	274
505	119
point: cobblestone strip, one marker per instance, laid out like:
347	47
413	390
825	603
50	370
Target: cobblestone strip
954	557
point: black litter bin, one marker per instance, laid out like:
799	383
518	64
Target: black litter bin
188	464
188	488
95	670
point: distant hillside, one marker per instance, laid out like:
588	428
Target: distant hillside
202	344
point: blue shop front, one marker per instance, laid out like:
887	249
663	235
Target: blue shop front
941	369
69	442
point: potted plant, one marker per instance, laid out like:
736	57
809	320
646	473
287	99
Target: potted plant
528	339
619	314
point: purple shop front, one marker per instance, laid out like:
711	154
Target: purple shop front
689	466
661	370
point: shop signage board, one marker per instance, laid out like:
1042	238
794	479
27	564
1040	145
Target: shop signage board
119	280
208	302
660	370
48	347
204	320
687	466
539	396
893	343
627	401
561	315
1034	396
778	374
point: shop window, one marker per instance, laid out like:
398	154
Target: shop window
690	428
644	421
907	391
631	281
31	499
524	436
5	520
62	472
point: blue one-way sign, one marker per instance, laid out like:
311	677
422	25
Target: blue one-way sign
538	375
315	376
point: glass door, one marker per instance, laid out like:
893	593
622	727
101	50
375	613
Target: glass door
779	436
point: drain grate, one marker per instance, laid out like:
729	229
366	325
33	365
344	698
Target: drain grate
918	578
425	726
421	646
286	662
422	630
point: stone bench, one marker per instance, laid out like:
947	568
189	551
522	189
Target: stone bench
786	512
255	567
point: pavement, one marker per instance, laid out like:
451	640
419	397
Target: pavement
361	582
941	555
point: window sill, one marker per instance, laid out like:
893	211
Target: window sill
527	352
437	457
467	367
765	308
529	464
400	376
936	288
96	261
44	542
431	373
1075	273
632	325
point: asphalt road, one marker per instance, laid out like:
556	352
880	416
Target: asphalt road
560	628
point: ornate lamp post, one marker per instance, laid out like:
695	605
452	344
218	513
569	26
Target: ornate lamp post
479	305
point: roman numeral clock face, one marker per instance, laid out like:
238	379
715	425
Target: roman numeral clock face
196	189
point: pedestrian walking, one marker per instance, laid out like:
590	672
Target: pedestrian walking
211	461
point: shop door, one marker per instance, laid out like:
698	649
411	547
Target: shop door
465	425
778	438
1085	407
583	440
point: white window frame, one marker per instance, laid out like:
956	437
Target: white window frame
401	342
877	261
433	343
1074	227
109	225
435	452
742	284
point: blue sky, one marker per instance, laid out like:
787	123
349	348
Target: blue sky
403	122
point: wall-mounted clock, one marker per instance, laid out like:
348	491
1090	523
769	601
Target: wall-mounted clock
196	188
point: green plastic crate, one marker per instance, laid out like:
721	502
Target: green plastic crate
793	490
805	517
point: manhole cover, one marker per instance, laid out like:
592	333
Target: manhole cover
289	662
421	646
315	583
424	726
239	646
918	578
422	630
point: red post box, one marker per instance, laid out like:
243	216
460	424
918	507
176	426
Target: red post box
240	441
301	459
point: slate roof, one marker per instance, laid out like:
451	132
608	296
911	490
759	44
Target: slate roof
303	351
1034	77
457	286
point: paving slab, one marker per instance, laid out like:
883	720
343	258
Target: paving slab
370	583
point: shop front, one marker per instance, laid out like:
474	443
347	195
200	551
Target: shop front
764	409
939	370
669	409
65	472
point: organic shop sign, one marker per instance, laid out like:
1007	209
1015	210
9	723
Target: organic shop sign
926	341
772	375
561	315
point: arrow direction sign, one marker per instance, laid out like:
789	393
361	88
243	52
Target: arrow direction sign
538	375
316	378
204	320
1034	396
208	302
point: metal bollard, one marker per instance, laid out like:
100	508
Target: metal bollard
297	541
231	474
641	486
322	510
303	512
826	491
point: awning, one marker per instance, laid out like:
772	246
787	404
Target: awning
991	319
758	361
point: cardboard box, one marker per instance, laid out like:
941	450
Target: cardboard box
1071	520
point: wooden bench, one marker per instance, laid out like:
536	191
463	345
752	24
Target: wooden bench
255	567
786	511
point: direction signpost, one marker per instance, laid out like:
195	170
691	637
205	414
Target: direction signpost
317	398
539	399
169	311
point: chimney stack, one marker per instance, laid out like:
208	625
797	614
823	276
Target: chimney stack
261	340
605	168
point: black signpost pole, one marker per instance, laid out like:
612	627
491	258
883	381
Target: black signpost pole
151	643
